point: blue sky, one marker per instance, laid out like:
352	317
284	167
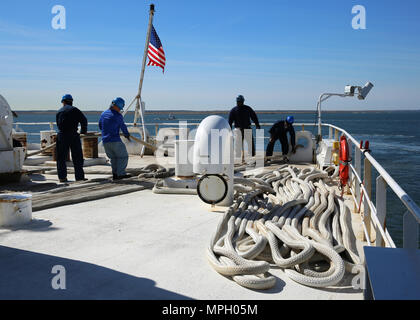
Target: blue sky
280	54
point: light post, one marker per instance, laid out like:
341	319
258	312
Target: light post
348	92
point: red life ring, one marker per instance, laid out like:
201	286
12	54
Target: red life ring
344	161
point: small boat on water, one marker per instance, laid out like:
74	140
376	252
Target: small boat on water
170	117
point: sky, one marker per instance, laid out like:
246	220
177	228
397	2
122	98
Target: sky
279	54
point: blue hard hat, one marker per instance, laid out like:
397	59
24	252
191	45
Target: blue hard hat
290	119
240	98
67	97
119	102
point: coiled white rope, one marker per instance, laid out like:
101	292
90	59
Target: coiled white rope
286	217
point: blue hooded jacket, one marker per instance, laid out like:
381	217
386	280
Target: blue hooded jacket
110	123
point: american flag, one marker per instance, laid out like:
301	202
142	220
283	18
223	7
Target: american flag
155	52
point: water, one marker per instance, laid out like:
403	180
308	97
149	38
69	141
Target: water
394	138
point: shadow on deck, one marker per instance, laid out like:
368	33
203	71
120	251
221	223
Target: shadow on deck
28	275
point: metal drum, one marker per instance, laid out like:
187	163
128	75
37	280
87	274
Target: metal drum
15	209
90	147
22	138
47	140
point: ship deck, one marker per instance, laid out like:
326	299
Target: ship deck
139	245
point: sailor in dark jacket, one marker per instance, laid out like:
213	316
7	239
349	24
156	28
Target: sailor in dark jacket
68	119
241	117
279	131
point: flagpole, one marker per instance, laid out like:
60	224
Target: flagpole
146	47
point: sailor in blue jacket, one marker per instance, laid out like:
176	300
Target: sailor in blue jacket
110	123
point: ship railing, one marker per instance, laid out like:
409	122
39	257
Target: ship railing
373	214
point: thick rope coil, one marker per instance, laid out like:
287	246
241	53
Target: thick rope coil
290	217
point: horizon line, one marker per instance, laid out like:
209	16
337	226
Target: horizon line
227	111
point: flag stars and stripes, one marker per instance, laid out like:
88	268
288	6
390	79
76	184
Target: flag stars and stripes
155	51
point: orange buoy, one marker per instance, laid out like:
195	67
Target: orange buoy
344	161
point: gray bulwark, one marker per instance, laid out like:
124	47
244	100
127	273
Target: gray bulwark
393	274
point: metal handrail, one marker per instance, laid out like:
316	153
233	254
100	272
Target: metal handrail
389	240
265	124
409	203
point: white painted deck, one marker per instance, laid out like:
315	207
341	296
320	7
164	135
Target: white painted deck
135	246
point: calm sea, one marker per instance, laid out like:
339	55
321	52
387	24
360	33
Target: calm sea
394	138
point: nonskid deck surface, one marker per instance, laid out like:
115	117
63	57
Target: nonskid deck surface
135	246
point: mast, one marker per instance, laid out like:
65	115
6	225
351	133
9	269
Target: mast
146	48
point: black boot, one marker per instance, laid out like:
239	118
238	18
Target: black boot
123	177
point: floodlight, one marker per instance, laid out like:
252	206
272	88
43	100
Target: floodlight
348	92
363	92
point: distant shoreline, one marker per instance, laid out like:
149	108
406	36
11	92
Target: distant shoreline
159	112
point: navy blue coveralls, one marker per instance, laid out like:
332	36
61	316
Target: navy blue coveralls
241	116
68	119
279	131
